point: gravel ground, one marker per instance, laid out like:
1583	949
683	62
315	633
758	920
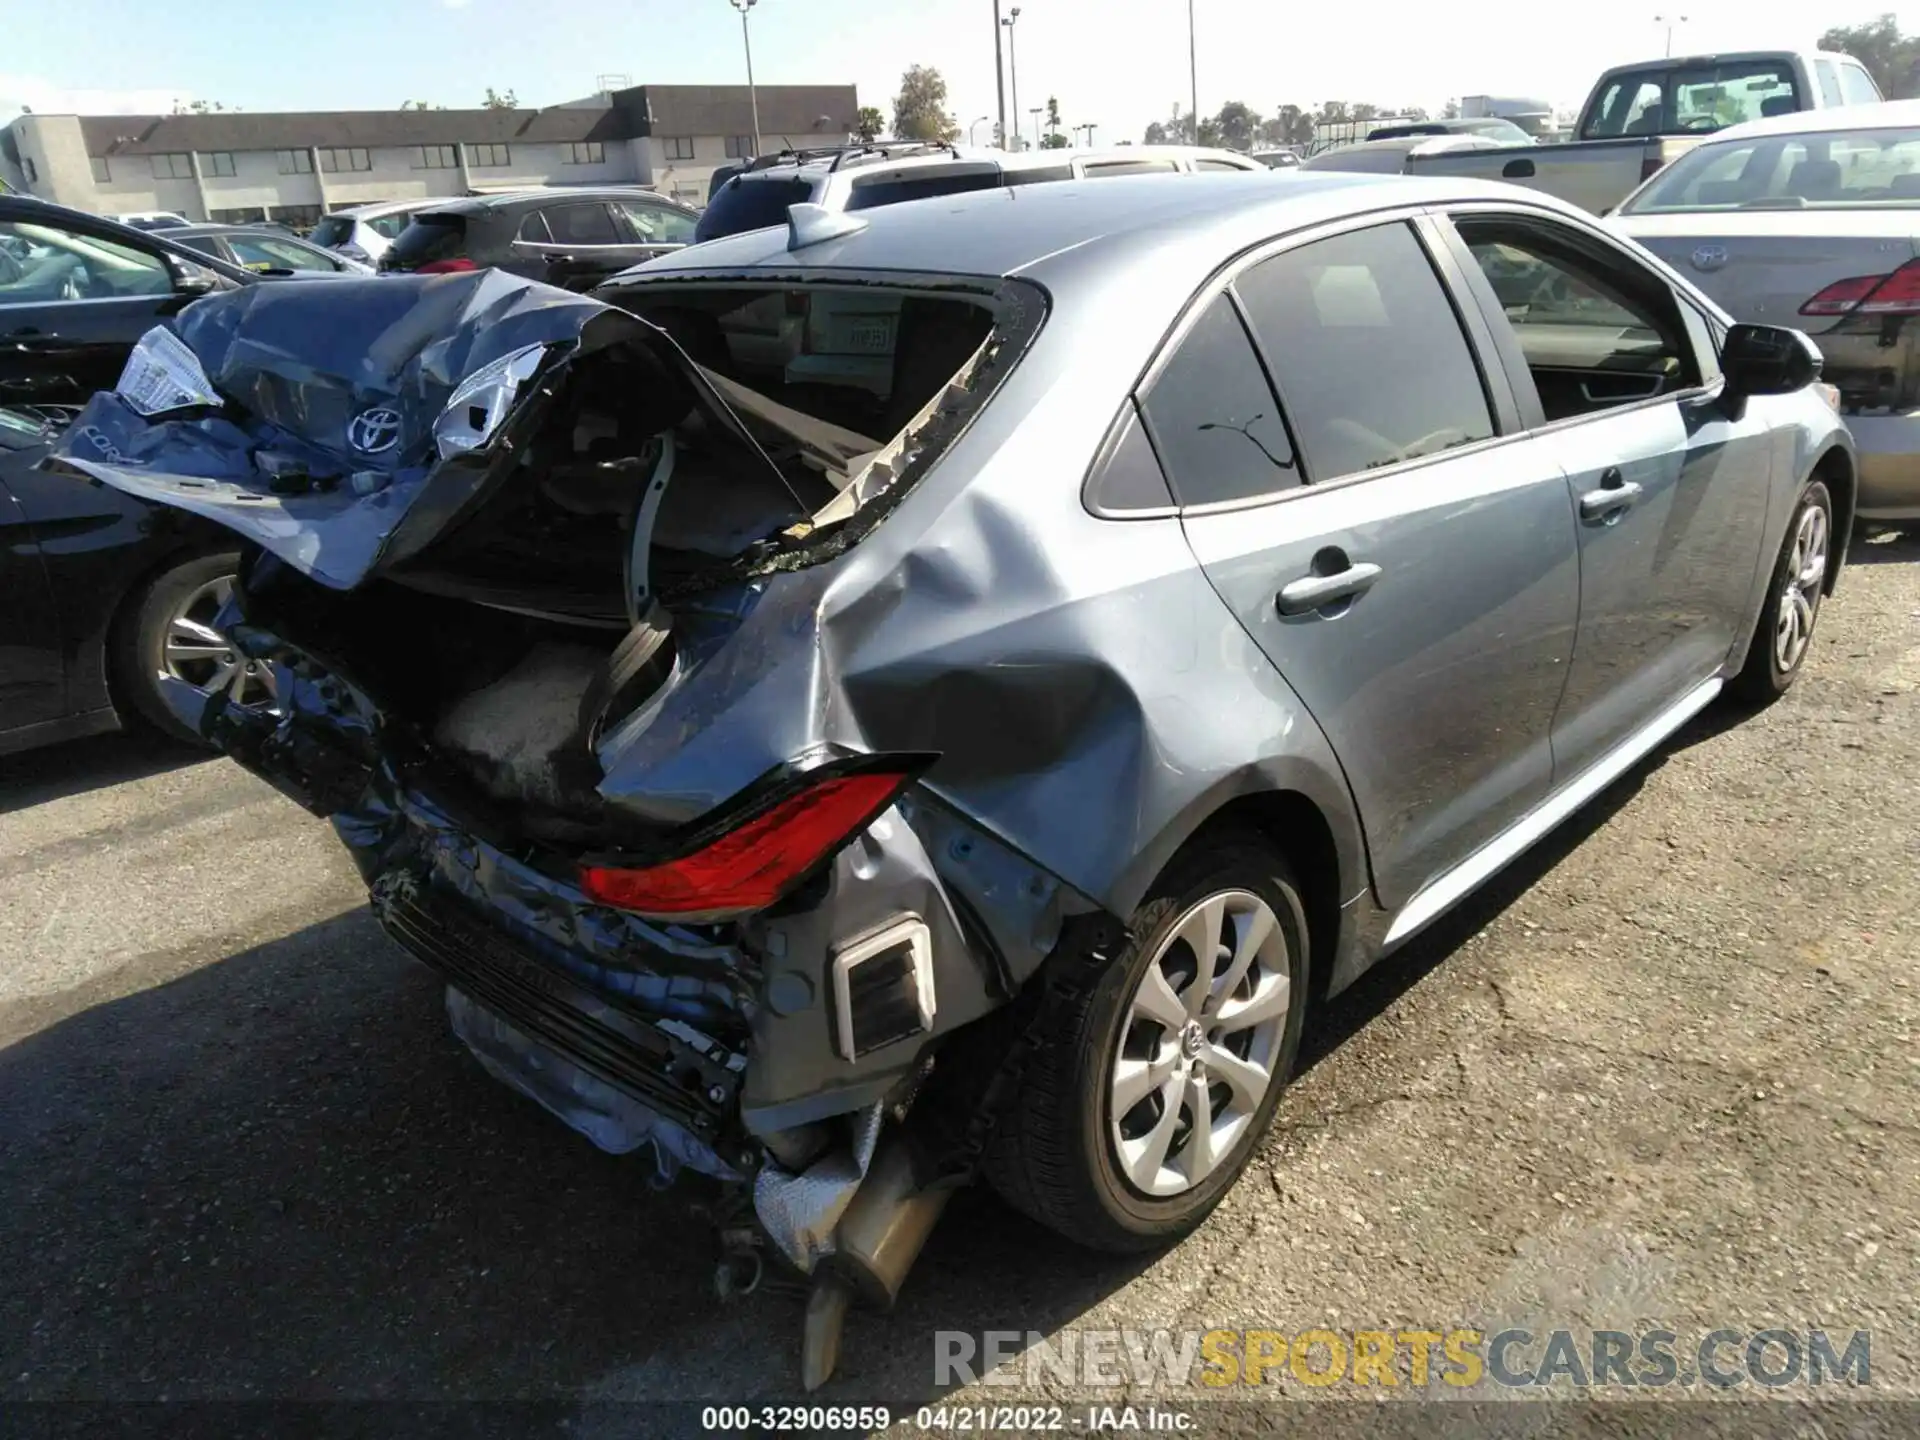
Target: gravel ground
1666	1067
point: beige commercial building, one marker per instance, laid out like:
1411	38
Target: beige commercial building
240	166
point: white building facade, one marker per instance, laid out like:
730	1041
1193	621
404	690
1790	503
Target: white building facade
294	167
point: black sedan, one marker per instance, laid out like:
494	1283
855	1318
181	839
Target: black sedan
76	293
100	594
265	251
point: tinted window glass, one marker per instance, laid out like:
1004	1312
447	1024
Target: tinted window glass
1215	424
1038	174
918	185
1857	86
1130	478
1367	351
1131	167
1691	98
533	229
388	227
270	254
750	204
333	230
429	237
581	225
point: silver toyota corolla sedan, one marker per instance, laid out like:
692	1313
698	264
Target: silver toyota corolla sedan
1813	220
932	693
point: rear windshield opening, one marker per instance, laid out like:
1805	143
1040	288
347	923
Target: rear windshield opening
1692	99
922	184
428	238
332	230
745	205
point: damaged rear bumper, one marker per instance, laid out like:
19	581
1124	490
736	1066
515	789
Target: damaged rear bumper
733	1049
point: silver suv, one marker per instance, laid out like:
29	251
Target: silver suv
861	177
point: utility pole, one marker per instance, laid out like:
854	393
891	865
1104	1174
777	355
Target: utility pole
999	74
1193	71
1669	21
1013	70
753	96
1036	111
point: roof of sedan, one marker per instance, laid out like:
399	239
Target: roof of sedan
1056	227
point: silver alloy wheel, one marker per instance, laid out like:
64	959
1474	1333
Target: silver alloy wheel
204	658
1199	1042
1800	597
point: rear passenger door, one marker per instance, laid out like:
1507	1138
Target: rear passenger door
1670	495
574	244
1408	568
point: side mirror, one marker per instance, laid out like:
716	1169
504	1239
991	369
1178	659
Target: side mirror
191	280
1768	360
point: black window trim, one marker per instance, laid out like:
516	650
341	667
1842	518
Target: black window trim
1502	400
1506	343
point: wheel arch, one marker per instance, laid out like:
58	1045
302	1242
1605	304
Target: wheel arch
126	608
1837	471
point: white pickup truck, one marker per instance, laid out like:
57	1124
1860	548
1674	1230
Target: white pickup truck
1641	116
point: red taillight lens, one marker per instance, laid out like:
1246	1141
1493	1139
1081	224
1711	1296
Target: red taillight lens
756	863
445	267
1894	294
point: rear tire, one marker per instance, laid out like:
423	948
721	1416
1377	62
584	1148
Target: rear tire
1783	636
1064	1156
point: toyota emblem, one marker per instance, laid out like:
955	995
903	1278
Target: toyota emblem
1709	257
372	431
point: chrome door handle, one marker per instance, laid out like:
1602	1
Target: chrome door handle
1614	496
1316	592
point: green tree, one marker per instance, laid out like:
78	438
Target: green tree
202	107
1450	111
1290	125
1893	59
1238	125
419	105
868	124
1053	120
501	100
1055	141
920	109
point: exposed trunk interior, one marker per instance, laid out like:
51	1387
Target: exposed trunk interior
510	642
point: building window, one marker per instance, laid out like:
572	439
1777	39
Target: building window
301	217
100	175
217	162
679	147
586	152
294	162
245	215
173	167
489	157
435	157
334	161
739	147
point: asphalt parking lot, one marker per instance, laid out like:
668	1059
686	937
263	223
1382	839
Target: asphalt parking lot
1667	1067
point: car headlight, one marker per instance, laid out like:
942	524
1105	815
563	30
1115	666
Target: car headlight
163	375
481	401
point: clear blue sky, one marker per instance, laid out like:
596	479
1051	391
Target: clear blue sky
1118	62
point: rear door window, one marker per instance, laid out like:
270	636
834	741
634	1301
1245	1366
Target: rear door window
1102	169
585	223
1367	351
1214	421
750	203
920	184
1038	174
656	224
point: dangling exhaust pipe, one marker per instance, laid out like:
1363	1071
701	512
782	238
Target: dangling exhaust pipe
880	1236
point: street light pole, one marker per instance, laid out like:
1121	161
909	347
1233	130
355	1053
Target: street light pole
1013	70
1669	21
753	96
1193	71
1036	111
999	73
973	137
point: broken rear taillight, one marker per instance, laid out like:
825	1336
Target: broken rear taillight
1897	293
755	862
